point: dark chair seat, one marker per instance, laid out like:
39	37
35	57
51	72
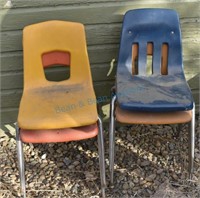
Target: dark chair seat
156	93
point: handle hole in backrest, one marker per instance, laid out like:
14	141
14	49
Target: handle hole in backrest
135	48
56	65
164	59
149	65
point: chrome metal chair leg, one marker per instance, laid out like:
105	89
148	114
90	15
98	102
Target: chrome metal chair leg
112	138
20	156
191	131
101	157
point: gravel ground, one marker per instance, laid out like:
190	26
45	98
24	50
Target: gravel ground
151	161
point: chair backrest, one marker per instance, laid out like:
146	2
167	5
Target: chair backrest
55	42
155	32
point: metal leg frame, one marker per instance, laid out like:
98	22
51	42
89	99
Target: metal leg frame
101	157
191	131
112	138
20	156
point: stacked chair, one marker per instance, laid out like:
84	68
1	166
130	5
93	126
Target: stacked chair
44	113
163	97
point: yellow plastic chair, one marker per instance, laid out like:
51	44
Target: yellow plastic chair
57	111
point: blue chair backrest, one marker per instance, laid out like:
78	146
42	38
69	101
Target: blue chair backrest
155	26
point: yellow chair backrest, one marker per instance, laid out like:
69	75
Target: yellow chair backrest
50	104
41	38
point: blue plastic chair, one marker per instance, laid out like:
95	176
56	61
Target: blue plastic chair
163	97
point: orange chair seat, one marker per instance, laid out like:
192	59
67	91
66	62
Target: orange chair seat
132	117
59	135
